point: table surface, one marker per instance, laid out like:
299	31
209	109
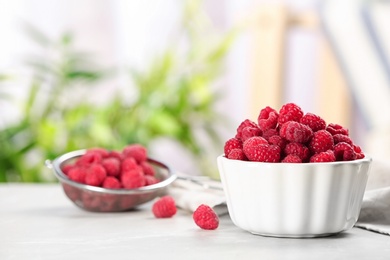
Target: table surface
37	221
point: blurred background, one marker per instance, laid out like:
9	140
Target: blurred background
178	76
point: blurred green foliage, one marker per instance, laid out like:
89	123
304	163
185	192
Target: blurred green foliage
173	99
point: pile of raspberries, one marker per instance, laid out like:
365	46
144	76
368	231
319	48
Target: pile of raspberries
290	136
99	167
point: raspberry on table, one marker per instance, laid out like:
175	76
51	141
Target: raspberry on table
290	112
232	143
111	183
112	166
95	175
299	150
296	132
337	129
291	158
133	178
268	118
344	152
242	125
205	217
321	141
313	121
136	151
249	132
237	154
263	153
165	207
327	156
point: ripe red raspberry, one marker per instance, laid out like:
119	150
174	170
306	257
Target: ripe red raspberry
342	138
133	178
112	166
77	174
321	141
277	140
232	143
66	168
344	152
327	156
116	154
296	132
237	154
128	164
205	217
88	158
165	207
268	118
299	150
242	125
358	151
136	151
249	132
111	183
291	158
95	175
270	132
103	152
147	168
313	121
263	153
150	180
289	112
337	129
252	142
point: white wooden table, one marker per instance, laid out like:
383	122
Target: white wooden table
37	221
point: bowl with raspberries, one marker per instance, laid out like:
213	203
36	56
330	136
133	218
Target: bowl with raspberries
291	174
102	180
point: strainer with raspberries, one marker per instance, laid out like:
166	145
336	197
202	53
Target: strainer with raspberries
291	136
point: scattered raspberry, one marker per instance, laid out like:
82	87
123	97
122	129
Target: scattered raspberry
291	158
327	156
244	124
232	143
165	207
249	132
313	121
299	150
147	168
133	178
237	154
321	141
111	183
263	153
268	118
337	129
136	151
95	175
296	132
342	138
150	180
205	217
344	152
289	112
277	140
88	158
77	174
270	132
112	166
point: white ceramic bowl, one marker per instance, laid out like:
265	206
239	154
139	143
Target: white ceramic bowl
294	200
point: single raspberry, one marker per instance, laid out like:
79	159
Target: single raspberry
116	154
205	217
268	118
249	132
165	207
129	164
88	158
270	132
95	175
103	152
299	150
291	158
252	142
147	168
133	179
358	151
242	125
313	121
263	153
337	129
232	143
342	138
136	151
150	180
289	112
327	156
111	183
295	132
344	152
277	140
77	174
66	168
112	166
321	141
237	154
